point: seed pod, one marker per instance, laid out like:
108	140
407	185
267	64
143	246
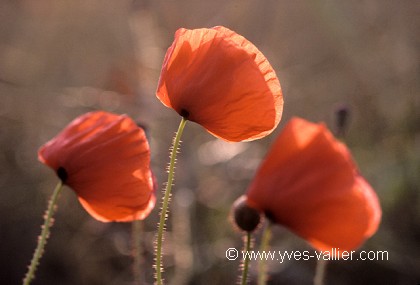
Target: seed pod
245	217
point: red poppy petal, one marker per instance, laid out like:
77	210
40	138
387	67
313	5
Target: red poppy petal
351	221
107	161
310	184
220	80
102	211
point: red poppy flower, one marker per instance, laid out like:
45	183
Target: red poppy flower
105	159
309	183
220	80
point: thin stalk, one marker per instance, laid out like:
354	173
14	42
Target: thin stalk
137	230
245	267
45	233
165	201
262	263
321	266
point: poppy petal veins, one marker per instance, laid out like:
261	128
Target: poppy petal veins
223	82
309	183
106	159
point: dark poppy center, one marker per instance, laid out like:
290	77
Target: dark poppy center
184	113
62	174
269	216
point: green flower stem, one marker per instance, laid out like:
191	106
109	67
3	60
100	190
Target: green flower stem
321	266
262	263
137	230
247	249
165	202
45	233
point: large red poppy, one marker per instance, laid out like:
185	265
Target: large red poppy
309	183
105	159
220	80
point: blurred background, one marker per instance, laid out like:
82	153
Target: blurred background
60	59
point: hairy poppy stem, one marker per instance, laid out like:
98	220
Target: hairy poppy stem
165	202
45	233
262	263
321	266
247	249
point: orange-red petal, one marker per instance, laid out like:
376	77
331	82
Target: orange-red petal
106	158
220	80
309	183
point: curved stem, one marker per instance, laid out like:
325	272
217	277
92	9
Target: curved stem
165	202
45	233
246	260
262	263
321	266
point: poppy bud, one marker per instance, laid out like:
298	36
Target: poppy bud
244	216
342	117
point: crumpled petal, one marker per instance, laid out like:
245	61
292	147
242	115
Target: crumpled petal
220	80
106	159
309	183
